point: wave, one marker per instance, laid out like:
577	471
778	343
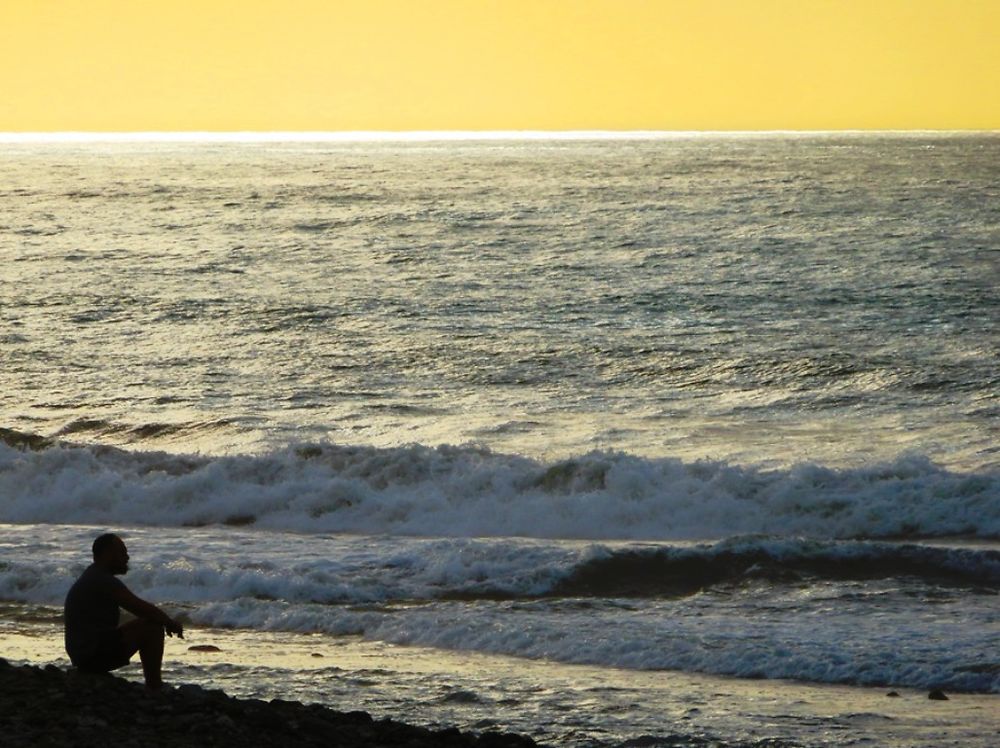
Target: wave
135	432
352	570
751	607
680	571
468	491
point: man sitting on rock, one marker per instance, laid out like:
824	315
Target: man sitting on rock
94	640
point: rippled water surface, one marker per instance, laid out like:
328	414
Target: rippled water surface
826	298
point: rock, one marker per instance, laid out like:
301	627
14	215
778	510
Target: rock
188	721
266	719
892	695
504	740
95	722
50	707
461	697
937	695
192	692
226	722
643	741
203	648
357	717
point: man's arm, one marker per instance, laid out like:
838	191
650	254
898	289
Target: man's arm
140	608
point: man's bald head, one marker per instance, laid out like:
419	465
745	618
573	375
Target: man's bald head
110	552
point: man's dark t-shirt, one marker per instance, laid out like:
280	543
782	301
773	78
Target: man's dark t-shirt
91	613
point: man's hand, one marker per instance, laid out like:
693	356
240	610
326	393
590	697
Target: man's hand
173	627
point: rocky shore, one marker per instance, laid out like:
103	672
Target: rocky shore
53	707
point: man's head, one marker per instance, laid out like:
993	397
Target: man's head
111	554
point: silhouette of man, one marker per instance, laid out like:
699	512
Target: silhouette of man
94	641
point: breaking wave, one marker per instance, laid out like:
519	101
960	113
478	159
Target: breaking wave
678	571
469	491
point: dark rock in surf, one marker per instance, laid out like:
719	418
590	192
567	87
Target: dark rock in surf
937	695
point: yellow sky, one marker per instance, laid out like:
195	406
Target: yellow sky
137	65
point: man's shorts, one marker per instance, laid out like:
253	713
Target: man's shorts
109	655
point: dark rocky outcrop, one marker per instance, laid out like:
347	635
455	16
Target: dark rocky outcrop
49	706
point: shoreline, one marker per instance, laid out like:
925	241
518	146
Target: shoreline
440	691
50	706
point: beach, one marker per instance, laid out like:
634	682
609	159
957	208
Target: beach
420	687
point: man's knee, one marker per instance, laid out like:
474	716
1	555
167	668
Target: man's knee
142	631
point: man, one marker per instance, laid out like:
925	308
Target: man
94	640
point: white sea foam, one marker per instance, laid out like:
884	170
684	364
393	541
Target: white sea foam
468	492
782	641
194	567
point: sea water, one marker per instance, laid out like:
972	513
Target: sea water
572	419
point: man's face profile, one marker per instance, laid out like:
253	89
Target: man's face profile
120	558
115	557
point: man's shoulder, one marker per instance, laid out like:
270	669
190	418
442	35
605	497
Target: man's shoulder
95	576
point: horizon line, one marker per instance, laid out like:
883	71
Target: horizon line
351	136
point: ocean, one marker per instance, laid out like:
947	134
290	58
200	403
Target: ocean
665	440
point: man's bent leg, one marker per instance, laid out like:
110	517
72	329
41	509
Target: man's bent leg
146	638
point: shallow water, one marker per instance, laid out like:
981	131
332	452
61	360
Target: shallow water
561	705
